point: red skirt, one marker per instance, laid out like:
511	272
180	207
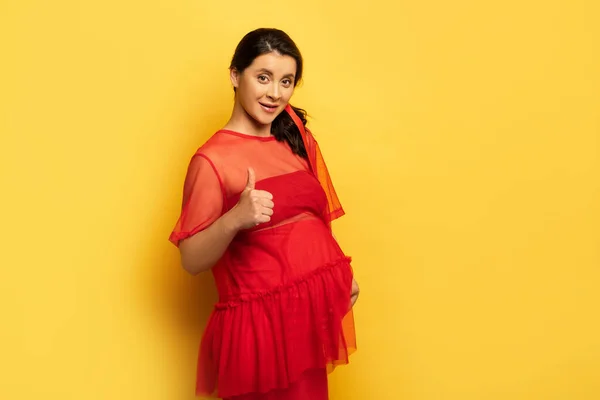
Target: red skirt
312	385
265	343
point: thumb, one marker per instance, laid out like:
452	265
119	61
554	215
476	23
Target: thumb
251	179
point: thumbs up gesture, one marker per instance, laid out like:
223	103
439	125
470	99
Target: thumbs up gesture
255	207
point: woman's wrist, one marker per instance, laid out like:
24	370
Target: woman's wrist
230	222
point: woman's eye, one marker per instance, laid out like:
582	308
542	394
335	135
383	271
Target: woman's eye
287	82
263	78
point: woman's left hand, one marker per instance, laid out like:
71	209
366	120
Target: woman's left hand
354	293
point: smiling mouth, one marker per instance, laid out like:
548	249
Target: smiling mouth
268	108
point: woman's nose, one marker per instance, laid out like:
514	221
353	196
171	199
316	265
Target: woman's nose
274	92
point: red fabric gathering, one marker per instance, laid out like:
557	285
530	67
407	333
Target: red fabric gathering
284	286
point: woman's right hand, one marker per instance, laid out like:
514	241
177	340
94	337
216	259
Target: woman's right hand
255	207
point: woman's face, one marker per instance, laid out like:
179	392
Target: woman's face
266	86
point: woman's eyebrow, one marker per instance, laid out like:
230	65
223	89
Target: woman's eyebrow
266	71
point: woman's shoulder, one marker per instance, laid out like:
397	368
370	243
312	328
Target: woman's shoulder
225	151
216	146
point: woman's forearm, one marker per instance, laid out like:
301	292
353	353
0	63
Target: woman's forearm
203	250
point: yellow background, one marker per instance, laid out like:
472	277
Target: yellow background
463	137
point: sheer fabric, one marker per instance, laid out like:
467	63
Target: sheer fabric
318	168
284	286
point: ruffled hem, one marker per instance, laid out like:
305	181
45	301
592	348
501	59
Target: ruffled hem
278	289
267	340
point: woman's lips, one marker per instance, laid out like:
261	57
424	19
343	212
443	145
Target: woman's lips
268	108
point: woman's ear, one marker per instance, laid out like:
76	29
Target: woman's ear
234	75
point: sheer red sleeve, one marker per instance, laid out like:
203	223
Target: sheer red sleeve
319	168
202	199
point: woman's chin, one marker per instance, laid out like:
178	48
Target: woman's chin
262	119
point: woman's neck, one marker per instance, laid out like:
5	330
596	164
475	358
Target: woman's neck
240	121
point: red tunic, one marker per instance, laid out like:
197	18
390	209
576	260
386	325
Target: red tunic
284	286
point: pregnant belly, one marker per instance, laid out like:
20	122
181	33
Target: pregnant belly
277	256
